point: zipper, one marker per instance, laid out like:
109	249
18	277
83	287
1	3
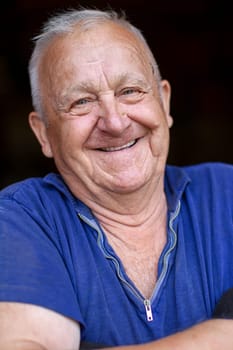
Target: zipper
100	240
146	302
167	254
149	314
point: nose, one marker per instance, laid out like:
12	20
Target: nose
112	117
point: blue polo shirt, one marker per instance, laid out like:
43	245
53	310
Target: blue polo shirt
53	253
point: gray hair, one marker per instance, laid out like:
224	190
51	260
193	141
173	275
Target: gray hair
63	23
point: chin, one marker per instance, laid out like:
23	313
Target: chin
127	187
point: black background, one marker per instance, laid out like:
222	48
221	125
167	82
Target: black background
193	44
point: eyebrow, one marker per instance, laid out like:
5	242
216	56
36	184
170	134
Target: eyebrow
89	86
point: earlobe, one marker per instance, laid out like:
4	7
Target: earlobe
169	121
39	128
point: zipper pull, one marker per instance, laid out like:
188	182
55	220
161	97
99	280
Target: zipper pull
149	314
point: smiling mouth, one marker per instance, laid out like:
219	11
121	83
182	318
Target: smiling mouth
120	148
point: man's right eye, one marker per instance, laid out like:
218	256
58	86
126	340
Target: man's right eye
81	102
82	106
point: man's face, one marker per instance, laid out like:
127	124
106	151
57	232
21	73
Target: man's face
107	123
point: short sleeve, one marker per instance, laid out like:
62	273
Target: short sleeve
32	269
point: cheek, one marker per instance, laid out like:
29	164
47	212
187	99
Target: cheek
60	138
159	142
150	116
70	135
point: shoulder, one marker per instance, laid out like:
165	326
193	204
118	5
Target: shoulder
30	187
35	194
19	189
210	170
211	177
199	179
200	172
204	183
211	186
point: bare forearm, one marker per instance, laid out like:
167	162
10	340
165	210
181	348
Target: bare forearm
210	335
21	345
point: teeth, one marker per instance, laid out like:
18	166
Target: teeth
112	149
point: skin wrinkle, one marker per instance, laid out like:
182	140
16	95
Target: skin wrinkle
89	87
63	46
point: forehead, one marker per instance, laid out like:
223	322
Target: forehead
101	35
104	50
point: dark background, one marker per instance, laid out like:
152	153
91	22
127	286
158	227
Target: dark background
193	44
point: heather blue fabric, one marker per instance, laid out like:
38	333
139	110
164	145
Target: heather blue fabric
54	254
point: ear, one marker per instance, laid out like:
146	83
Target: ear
40	130
166	96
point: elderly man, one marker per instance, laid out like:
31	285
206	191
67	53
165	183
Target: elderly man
118	248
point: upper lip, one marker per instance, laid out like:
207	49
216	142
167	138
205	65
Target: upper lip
101	142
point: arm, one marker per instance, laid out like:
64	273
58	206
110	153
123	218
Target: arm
32	271
210	335
30	327
214	334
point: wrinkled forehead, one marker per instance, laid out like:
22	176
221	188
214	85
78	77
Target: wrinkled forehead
90	44
104	51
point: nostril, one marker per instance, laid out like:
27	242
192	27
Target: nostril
113	123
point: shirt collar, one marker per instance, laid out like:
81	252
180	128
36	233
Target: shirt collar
175	182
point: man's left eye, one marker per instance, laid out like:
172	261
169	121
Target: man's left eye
130	91
131	95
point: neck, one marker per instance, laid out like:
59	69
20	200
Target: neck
138	239
145	210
